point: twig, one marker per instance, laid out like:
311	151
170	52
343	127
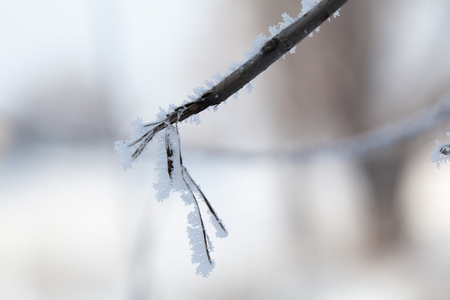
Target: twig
191	187
208	204
274	49
197	206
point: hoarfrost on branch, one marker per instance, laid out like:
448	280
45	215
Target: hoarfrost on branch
173	175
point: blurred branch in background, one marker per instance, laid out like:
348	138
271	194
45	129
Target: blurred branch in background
377	142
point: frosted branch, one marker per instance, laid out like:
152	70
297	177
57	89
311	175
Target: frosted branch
173	174
272	50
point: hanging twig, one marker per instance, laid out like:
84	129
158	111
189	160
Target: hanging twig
197	207
191	186
211	209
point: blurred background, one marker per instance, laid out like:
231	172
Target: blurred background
74	225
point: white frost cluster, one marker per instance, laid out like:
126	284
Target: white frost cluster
197	242
437	156
164	184
307	5
181	182
122	147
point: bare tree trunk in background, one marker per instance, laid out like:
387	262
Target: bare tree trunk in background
383	171
325	90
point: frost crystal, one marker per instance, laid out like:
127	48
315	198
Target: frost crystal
220	232
249	88
199	91
122	147
441	153
257	44
307	5
173	176
287	20
198	241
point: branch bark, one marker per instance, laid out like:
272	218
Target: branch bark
273	50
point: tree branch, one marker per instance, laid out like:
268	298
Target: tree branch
273	50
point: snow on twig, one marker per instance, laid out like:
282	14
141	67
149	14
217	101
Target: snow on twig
181	181
441	153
